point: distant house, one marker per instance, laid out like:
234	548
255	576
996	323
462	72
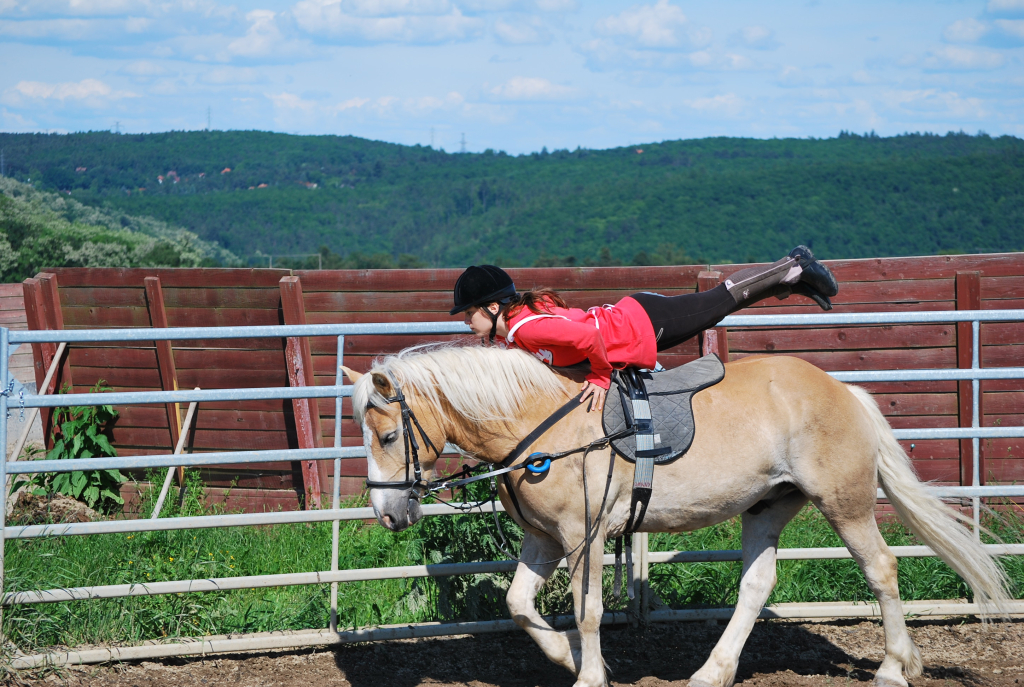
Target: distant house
262	186
225	170
80	169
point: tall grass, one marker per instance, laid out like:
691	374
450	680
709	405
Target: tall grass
187	554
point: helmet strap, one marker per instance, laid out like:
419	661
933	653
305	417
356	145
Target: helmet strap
494	324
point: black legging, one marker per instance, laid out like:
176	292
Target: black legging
677	318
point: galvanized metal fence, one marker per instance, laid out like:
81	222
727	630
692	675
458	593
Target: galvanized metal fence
336	514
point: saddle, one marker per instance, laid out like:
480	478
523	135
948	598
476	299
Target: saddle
658	406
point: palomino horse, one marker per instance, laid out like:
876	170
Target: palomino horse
776	432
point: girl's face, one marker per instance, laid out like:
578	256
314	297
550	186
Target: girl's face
480	322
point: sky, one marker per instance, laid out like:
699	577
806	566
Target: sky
514	75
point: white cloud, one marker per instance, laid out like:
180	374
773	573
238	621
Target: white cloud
262	37
756	37
386	21
91	92
143	68
530	32
793	77
953	58
604	56
965	31
935	102
1011	27
662	25
1006	7
523	88
227	76
728	104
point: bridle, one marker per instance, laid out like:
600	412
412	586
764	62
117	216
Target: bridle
412	448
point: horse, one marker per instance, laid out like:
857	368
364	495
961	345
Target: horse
776	433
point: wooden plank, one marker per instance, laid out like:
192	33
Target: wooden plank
164	360
55	319
143	378
1003	356
300	374
102	297
638	278
968	297
441	301
998	288
214	297
11	291
12	317
155	439
131	316
1004	403
184	359
206	418
1001	333
795	305
937	470
908	387
716	339
843	338
914	359
42	354
170	277
917	404
923	267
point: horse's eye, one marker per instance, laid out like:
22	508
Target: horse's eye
389	438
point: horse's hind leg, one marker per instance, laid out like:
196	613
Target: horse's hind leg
860	534
530	576
760	541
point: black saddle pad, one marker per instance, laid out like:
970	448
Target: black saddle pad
670	394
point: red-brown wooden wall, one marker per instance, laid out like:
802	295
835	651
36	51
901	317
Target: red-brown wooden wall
214	297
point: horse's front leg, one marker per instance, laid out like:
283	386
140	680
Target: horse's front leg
535	567
589	609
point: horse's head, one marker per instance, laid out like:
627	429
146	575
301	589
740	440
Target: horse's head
469	395
389	457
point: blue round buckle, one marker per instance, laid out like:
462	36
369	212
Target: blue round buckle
538	465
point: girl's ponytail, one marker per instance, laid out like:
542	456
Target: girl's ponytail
536	300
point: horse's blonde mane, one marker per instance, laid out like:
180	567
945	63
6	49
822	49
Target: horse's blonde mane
480	383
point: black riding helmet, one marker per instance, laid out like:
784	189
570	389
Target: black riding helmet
480	285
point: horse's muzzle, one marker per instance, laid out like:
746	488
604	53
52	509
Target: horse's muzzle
401	509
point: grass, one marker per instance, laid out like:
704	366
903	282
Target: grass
176	555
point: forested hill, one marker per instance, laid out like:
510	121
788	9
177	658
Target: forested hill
718	199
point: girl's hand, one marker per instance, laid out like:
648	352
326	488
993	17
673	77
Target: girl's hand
595	392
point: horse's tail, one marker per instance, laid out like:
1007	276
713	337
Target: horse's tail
935	524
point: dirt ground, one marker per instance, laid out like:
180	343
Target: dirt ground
779	653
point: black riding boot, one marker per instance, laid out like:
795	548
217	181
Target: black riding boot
798	273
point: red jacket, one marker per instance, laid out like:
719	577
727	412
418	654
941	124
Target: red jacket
613	336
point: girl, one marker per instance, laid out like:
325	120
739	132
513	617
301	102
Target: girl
632	331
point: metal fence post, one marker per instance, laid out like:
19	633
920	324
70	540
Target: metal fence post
976	422
4	373
645	585
336	486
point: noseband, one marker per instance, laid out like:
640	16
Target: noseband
412	447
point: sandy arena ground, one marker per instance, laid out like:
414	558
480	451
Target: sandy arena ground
779	653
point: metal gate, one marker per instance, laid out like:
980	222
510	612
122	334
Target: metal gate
334	576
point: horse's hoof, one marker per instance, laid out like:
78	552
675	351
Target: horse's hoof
888	682
699	683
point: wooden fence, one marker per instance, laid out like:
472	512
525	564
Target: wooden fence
93	298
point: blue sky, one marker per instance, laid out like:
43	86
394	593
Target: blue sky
513	75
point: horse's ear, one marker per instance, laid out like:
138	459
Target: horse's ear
352	374
382	384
